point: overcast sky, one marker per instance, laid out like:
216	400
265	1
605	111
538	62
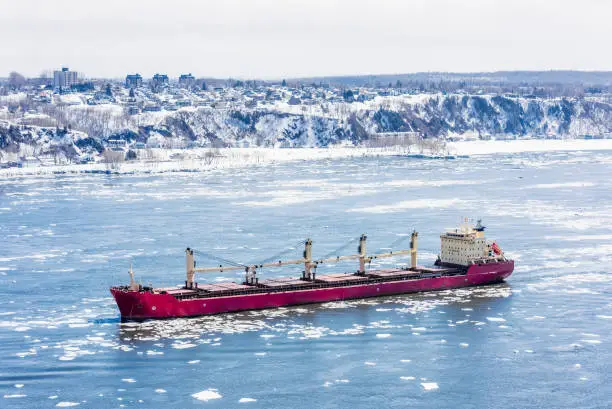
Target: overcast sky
293	38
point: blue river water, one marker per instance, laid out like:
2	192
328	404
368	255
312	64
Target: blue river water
540	340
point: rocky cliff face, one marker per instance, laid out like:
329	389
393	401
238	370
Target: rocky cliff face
433	116
18	141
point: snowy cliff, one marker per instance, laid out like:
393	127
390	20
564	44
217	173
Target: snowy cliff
328	123
433	116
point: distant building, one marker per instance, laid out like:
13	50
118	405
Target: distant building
186	80
133	81
159	80
116	144
151	108
64	78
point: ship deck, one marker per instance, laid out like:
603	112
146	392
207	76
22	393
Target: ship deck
287	284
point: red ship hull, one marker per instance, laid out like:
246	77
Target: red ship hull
141	305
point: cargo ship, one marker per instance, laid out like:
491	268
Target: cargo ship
466	259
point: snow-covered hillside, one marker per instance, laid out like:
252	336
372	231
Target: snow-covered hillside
22	141
432	116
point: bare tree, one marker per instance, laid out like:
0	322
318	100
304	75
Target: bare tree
113	159
211	156
16	80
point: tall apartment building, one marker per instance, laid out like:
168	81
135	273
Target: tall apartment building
186	80
133	81
159	80
65	78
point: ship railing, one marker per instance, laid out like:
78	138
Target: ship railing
488	260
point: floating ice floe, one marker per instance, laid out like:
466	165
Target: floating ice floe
409	204
66	404
183	345
591	341
207	395
369	363
16	395
407	378
560	185
128	380
247	400
429	386
195	361
383	335
464	345
496	319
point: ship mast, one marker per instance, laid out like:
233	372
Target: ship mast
134	286
414	241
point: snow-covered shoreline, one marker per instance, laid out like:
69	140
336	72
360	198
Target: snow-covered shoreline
528	145
230	158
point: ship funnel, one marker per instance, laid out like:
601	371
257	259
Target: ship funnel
414	242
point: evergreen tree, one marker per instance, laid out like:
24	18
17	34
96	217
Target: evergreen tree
284	83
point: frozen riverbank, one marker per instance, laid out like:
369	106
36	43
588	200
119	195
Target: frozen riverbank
195	160
528	145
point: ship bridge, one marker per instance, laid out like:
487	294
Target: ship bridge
467	245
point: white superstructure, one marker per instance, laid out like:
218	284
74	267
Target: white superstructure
467	245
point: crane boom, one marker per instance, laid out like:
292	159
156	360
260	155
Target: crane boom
307	260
